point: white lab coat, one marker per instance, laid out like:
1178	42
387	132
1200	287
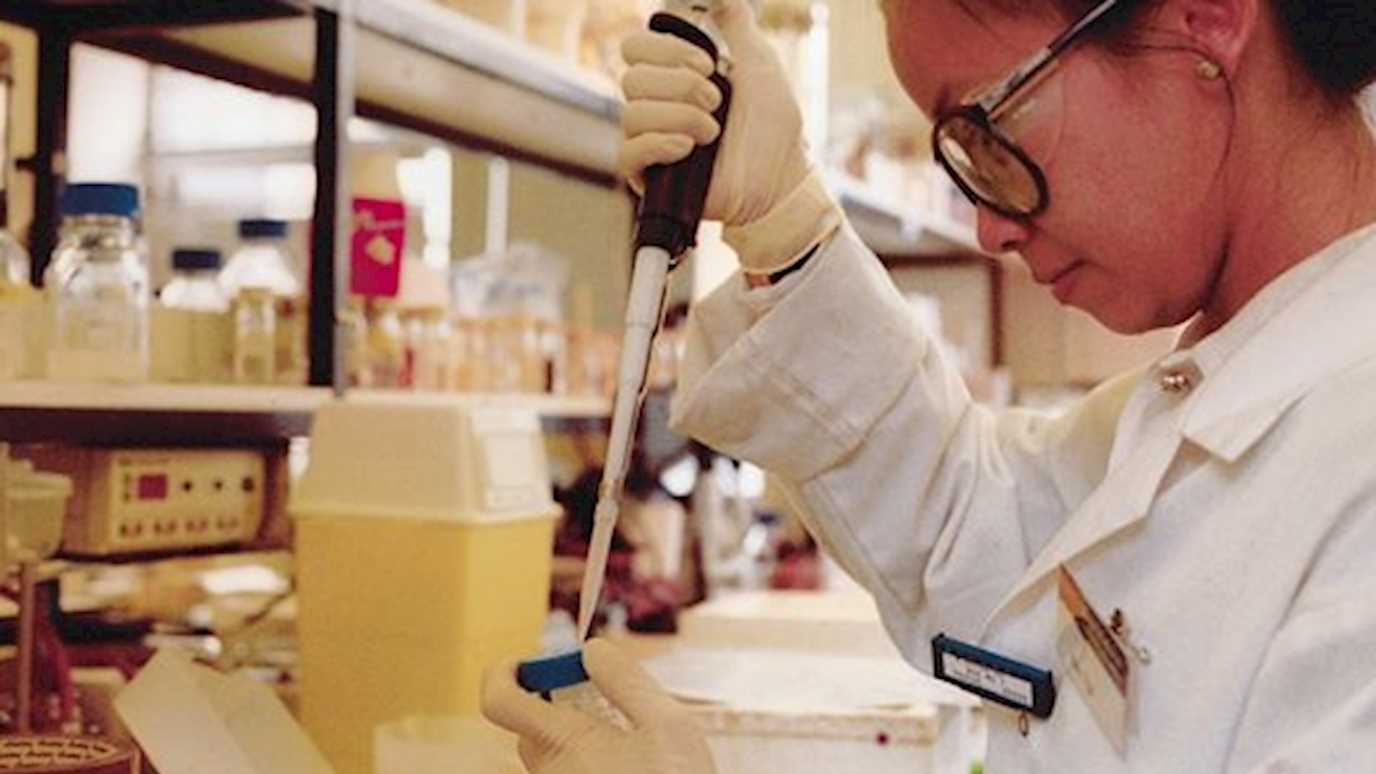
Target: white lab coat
1234	523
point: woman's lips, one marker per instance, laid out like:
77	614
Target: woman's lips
1063	282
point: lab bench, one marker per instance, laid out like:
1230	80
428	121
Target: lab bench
809	681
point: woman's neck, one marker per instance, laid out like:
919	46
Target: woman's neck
1298	187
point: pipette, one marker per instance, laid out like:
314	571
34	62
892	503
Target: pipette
667	225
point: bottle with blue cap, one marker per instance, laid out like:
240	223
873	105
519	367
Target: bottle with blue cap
194	286
264	261
97	285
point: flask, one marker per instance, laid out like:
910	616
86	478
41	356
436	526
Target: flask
98	287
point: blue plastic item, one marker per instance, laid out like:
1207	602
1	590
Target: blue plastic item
196	259
259	228
117	199
547	675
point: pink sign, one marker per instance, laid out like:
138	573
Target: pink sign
379	235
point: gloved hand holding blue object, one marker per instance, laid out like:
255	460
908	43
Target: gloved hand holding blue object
558	739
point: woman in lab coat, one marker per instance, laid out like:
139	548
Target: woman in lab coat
1189	552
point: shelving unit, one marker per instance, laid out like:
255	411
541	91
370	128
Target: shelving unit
400	62
890	228
407	63
419	66
152	414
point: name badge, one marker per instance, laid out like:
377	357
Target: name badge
997	678
1096	663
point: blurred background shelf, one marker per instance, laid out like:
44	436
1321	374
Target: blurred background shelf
78	16
147	414
419	66
894	228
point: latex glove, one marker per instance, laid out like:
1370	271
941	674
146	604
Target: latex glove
558	739
764	190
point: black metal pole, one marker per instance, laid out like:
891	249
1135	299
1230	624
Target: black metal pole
334	104
48	164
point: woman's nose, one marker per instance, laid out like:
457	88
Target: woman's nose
1000	234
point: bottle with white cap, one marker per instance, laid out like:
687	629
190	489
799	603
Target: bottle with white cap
97	285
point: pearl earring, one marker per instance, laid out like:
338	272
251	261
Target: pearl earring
1208	69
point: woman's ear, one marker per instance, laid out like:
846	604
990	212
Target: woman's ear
1222	29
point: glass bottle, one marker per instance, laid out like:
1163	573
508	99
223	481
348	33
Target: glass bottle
255	336
17	304
194	331
264	259
14	259
97	284
386	346
430	338
194	286
356	366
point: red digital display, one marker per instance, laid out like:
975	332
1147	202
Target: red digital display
153	487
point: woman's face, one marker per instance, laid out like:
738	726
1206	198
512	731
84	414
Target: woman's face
1132	149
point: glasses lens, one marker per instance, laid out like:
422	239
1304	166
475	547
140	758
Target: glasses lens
988	166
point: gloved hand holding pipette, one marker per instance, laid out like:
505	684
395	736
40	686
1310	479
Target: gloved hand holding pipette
757	179
559	739
764	189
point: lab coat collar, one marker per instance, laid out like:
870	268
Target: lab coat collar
1122	500
1316	324
1307	327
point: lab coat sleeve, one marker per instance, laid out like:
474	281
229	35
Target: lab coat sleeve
933	503
1312	706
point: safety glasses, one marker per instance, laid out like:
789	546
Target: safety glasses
985	162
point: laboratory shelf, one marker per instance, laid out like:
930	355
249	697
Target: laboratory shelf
78	16
178	415
420	66
408	63
891	228
32	412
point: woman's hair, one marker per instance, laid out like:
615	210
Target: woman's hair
1335	40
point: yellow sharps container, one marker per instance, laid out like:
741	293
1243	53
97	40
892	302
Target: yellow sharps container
424	529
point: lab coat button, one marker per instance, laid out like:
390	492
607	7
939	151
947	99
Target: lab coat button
1176	381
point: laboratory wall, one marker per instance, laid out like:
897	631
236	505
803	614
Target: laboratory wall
589	224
